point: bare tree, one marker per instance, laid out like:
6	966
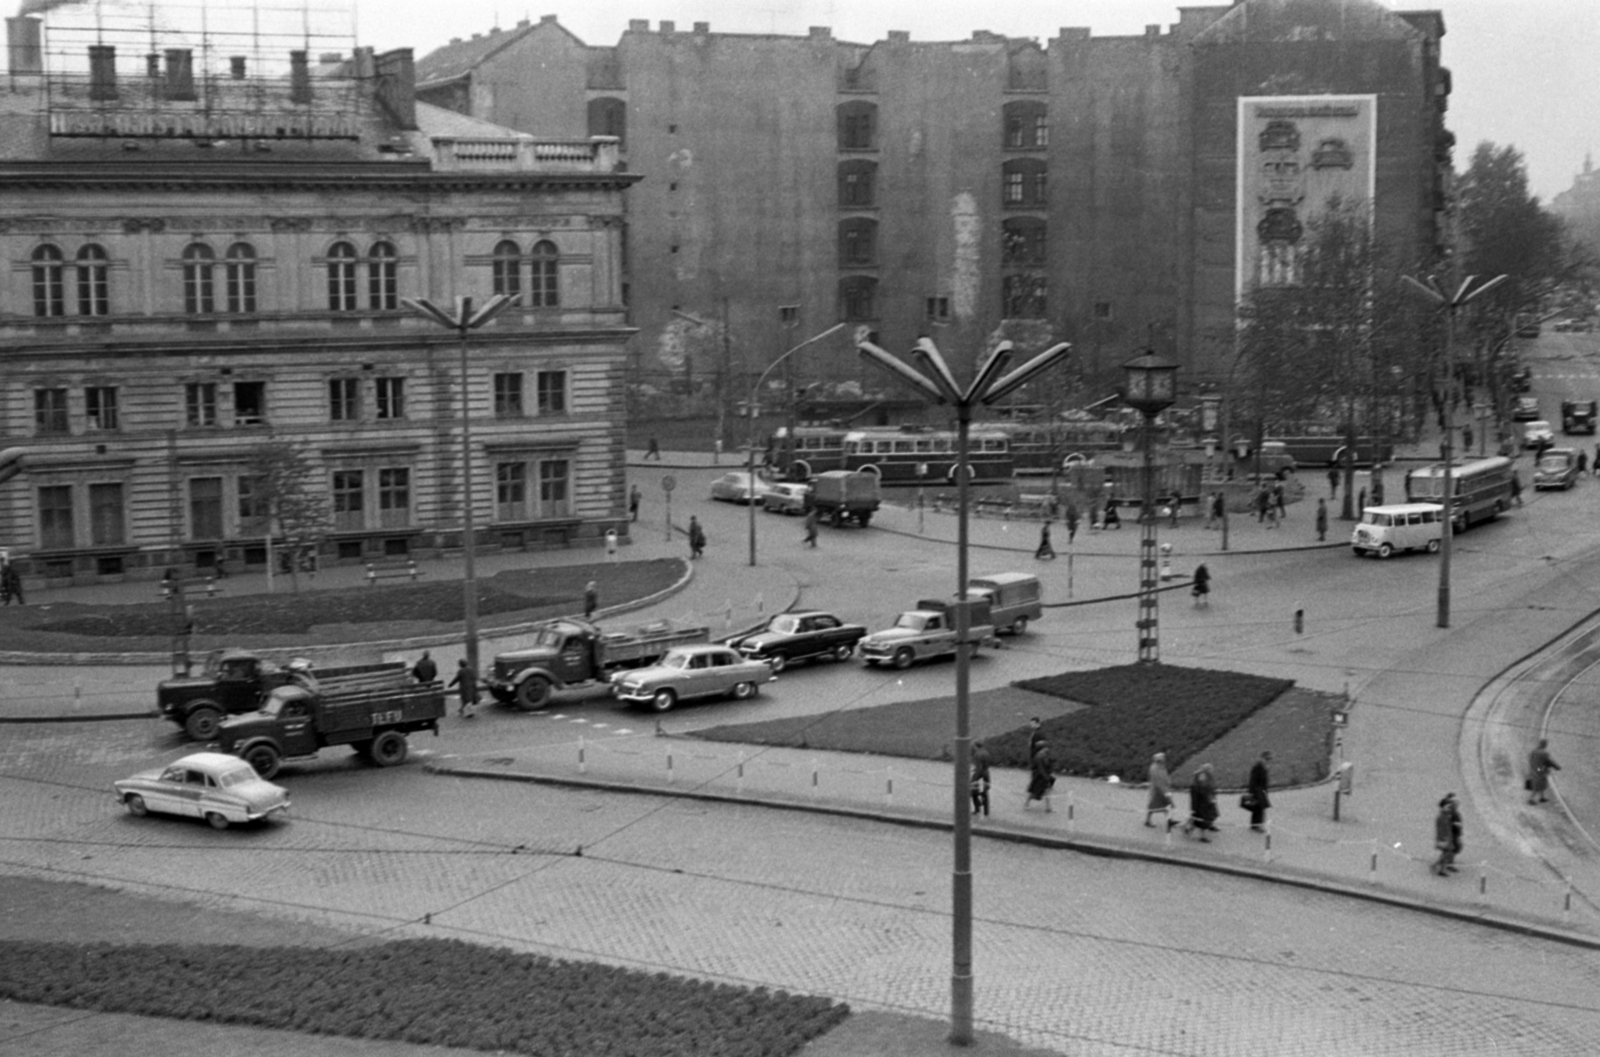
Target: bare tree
278	497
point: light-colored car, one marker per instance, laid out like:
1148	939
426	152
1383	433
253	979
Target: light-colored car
1527	409
219	788
787	498
739	487
689	672
1557	468
1402	527
1537	433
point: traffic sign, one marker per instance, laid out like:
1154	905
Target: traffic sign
668	483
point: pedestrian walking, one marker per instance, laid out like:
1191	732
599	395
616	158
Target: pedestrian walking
1255	799
1583	461
467	680
1278	499
1041	777
1202	803
811	527
1218	511
1540	764
1035	736
697	538
1044	552
653	450
633	503
1072	522
980	779
1263	504
1361	502
591	599
425	671
1377	485
1333	482
1113	519
1160	802
1596	463
1447	835
1516	487
1096	518
1202	585
1322	520
1174	501
11	583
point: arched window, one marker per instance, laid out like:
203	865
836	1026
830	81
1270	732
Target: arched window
342	277
239	277
383	292
1026	125
858	296
1022	241
94	288
858	179
199	292
858	242
858	125
49	295
608	117
544	286
1024	184
508	268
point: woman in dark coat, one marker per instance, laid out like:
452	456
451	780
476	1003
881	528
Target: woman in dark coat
1042	777
1202	802
1257	792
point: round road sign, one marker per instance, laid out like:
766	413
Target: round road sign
668	483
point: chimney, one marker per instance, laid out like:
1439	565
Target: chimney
180	74
102	71
299	78
26	55
397	86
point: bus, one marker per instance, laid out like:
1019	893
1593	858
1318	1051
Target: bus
1480	489
802	453
914	455
1048	447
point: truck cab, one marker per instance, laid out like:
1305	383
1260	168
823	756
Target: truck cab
1014	599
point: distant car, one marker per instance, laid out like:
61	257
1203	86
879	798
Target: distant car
688	672
1527	409
739	487
1537	434
1522	379
219	788
787	498
790	637
1557	468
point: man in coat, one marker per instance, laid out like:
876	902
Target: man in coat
1160	801
467	680
1257	792
1322	521
1447	835
1540	764
425	671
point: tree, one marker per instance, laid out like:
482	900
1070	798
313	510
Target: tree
278	498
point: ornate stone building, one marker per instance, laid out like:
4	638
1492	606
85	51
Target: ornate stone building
199	259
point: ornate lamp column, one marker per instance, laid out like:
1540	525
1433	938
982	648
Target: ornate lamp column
1149	387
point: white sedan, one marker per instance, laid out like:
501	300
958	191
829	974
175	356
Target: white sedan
689	672
740	487
211	785
1537	433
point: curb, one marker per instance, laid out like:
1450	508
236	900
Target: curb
1102	849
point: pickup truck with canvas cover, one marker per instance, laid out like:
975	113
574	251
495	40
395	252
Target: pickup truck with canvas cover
297	720
924	632
571	658
234	681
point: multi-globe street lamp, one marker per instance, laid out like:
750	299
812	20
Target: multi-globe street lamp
1149	387
937	383
465	318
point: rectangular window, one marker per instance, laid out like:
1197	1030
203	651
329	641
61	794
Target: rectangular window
100	407
50	411
344	399
508	396
55	518
347	496
1102	310
1013	187
249	403
1041	130
511	491
252	505
391	397
939	309
394	497
552	392
554	492
205	508
200	403
105	515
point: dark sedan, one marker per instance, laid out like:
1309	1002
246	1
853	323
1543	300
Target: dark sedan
792	637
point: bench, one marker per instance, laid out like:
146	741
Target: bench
376	572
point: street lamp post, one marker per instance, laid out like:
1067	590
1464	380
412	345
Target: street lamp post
937	383
1148	388
750	446
462	320
1450	303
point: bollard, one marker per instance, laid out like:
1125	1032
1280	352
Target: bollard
1266	852
211	587
814	768
1069	574
582	766
77	693
1374	870
1566	906
1300	620
727	616
1166	561
738	779
412	566
761	607
1483	882
372	576
669	768
1336	803
888	797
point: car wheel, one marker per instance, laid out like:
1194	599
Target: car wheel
217	821
744	691
1384	550
843	651
533	693
663	701
1019	626
1433	546
202	722
264	759
389	748
903	658
865	518
779	662
136	806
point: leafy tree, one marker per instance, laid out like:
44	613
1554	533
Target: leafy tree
279	498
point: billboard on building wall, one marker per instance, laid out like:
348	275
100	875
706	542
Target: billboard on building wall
1296	152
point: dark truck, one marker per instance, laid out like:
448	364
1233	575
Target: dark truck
839	496
234	681
571	657
297	720
1578	416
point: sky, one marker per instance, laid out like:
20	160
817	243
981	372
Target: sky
1524	71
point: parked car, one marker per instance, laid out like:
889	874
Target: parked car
740	487
219	788
790	637
1557	468
689	672
787	498
1527	409
1537	434
1402	527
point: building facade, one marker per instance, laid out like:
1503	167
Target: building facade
203	260
1092	183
